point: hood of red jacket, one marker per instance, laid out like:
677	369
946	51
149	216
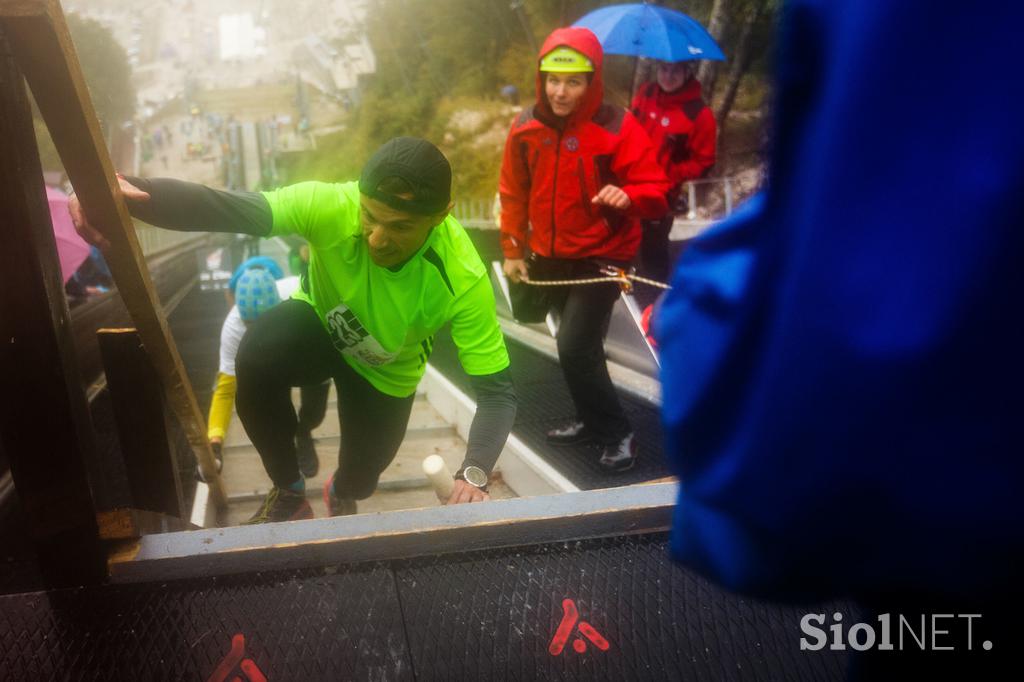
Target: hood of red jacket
584	41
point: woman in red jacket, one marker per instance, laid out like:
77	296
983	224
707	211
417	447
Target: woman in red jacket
576	178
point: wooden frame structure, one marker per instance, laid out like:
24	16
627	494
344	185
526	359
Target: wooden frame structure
41	46
142	423
44	418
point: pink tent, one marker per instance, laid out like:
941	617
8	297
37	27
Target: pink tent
71	248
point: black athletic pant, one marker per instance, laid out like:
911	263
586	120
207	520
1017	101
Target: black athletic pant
313	405
584	314
288	346
655	260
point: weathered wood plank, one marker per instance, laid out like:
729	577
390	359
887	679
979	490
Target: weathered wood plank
43	49
44	420
394	535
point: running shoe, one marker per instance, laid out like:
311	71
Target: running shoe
281	504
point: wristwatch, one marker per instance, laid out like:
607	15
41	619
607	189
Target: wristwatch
475	476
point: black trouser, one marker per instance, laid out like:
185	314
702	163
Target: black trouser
288	346
313	406
584	314
655	260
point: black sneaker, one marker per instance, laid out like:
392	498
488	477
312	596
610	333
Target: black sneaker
337	506
281	504
305	450
619	456
569	432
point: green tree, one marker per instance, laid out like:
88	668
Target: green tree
106	69
107	75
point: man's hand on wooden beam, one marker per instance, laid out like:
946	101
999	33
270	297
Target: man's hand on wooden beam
85	229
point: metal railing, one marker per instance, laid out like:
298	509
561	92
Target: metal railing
710	187
476	213
154	241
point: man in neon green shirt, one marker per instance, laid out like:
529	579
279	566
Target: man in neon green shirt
388	268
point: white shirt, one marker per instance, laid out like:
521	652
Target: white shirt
233	330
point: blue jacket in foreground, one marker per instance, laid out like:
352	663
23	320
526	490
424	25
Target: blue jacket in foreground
842	363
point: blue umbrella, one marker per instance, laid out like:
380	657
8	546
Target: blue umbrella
642	30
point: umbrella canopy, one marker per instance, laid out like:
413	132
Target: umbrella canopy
71	249
642	30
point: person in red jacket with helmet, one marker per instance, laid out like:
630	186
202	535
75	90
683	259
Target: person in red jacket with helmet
684	133
577	177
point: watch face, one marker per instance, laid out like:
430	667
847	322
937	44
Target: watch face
475	476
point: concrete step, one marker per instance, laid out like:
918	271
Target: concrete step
380	501
244	472
424	420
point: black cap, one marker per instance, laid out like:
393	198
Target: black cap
420	164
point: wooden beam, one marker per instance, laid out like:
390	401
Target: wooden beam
44	419
399	534
142	427
43	49
132	524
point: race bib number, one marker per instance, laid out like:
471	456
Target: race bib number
351	338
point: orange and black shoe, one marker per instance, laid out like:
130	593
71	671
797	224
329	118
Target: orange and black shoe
337	506
282	504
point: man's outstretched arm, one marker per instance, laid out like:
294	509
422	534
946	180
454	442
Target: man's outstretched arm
191	207
184	206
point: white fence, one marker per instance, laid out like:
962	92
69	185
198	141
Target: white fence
153	240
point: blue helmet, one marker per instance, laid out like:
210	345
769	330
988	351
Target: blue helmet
255	262
255	293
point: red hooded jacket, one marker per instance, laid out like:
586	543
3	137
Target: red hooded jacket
682	128
553	167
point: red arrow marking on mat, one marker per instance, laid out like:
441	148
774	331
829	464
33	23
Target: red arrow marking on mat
253	672
233	658
593	635
570	618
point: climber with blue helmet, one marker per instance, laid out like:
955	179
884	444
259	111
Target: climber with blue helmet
255	293
258	286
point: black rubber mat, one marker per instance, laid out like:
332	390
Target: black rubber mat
490	615
195	325
344	623
495	615
544	403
